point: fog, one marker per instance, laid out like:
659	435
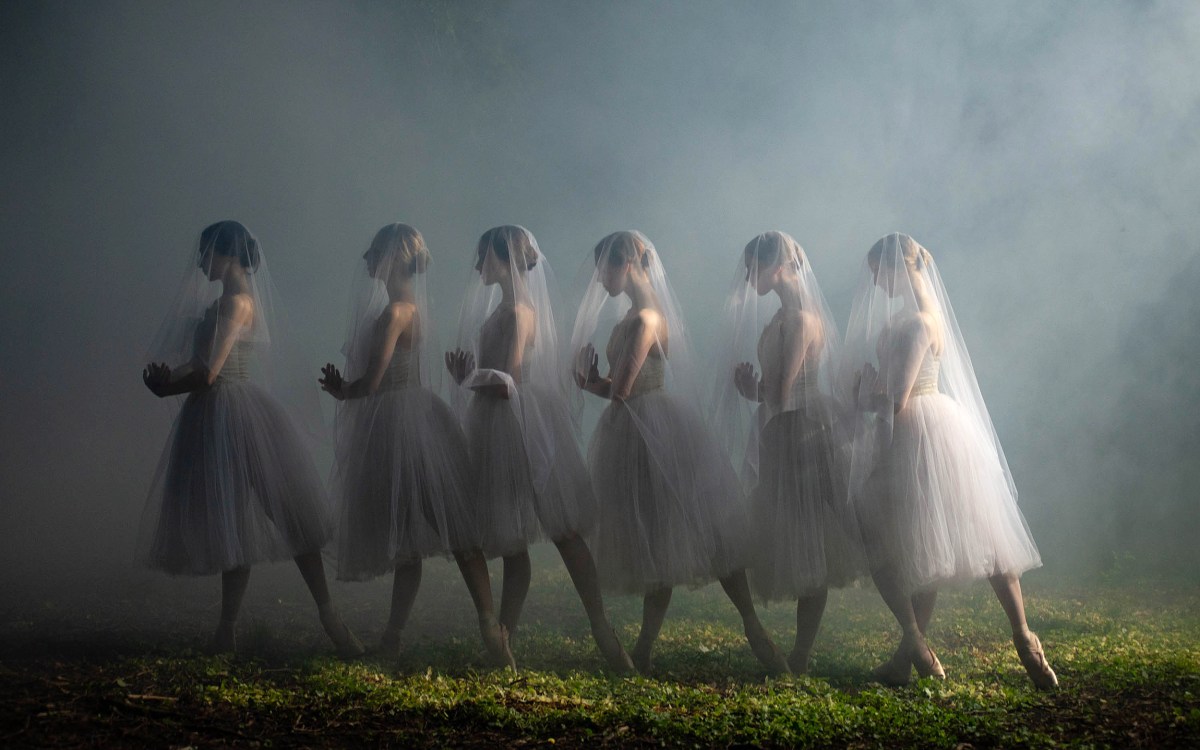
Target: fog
1047	155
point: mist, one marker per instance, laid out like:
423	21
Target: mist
1046	155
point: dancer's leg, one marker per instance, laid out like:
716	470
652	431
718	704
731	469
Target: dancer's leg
516	587
406	580
233	590
809	610
473	567
1029	648
737	588
582	568
312	569
654	611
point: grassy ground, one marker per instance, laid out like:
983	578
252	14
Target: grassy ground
107	662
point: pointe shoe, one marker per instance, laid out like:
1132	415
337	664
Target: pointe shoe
347	644
389	644
767	652
798	662
223	641
641	659
612	651
1033	658
896	671
926	662
495	641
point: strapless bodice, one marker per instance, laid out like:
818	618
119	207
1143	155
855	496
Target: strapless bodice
237	364
651	377
927	376
397	374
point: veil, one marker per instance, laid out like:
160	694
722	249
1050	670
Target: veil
187	337
599	312
887	297
541	386
747	313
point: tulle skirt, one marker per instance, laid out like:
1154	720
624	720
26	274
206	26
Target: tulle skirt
531	481
670	506
236	485
803	538
937	507
402	481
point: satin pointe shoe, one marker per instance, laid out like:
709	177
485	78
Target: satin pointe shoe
1033	658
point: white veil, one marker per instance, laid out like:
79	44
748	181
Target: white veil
542	370
599	312
747	312
899	278
186	339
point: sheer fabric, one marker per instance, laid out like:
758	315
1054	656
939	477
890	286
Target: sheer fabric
402	478
530	479
784	426
929	481
236	483
671	510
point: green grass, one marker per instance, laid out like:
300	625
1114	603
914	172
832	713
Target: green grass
1127	654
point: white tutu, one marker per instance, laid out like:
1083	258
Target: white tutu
510	511
403	481
663	521
937	506
802	538
235	486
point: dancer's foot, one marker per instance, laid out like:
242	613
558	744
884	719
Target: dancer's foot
495	641
347	644
798	662
223	640
640	656
896	671
766	651
389	643
924	660
612	650
1033	658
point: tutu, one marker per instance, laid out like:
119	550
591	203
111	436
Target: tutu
929	483
937	507
236	485
670	510
511	465
403	481
803	541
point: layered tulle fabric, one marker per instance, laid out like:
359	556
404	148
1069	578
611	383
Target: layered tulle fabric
936	508
802	536
236	486
671	510
669	500
793	452
523	496
929	482
531	480
403	481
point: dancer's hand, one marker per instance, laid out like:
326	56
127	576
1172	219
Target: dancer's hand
460	364
746	380
332	383
157	376
587	372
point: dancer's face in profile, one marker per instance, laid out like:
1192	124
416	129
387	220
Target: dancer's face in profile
762	277
213	265
490	268
613	277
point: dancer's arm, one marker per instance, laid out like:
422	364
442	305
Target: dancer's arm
908	347
394	321
231	318
639	340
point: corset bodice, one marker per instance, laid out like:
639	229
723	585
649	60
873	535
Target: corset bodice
398	372
927	376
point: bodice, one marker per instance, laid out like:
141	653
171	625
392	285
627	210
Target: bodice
651	377
397	374
927	376
237	364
